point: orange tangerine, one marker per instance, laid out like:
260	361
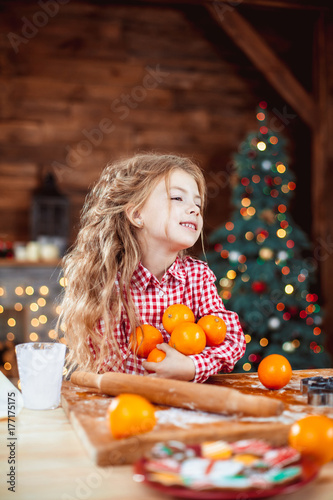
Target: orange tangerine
147	338
130	414
156	356
274	371
188	338
214	328
312	436
176	314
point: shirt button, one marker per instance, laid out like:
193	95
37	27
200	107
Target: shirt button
160	293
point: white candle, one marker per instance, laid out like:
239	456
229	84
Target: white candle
49	251
33	251
20	252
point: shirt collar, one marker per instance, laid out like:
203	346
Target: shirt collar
177	270
142	276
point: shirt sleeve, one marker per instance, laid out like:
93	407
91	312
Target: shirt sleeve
223	357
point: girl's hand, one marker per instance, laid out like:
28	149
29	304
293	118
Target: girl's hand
175	365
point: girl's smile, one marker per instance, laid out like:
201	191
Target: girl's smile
189	225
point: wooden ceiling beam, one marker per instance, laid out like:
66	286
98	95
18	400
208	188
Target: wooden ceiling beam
279	4
271	4
266	61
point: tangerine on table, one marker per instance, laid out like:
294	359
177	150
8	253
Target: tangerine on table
274	371
176	314
147	338
188	338
130	414
156	356
312	436
214	328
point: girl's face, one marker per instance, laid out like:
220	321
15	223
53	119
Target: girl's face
171	219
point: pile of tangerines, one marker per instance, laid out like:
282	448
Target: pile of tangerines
187	336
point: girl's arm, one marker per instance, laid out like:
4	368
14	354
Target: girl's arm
224	357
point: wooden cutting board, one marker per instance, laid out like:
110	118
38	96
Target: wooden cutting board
86	409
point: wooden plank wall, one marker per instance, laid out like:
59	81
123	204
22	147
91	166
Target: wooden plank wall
65	105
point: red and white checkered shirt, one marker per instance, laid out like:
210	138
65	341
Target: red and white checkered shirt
188	281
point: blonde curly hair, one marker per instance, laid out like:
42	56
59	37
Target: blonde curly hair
107	251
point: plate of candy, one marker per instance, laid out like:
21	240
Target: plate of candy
220	470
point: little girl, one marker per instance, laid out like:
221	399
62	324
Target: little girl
128	265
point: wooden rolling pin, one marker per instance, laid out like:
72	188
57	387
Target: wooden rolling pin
187	395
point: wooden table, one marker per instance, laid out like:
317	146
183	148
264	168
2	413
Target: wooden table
51	464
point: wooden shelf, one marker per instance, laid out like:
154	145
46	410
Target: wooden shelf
28	263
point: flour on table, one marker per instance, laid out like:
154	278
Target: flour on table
179	417
287	417
184	418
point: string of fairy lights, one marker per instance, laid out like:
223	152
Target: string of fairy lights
40	304
271	176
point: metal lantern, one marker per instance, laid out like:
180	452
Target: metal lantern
50	214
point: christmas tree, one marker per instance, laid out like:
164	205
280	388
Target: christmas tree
263	260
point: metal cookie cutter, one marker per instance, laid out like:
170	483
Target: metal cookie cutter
319	390
309	382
